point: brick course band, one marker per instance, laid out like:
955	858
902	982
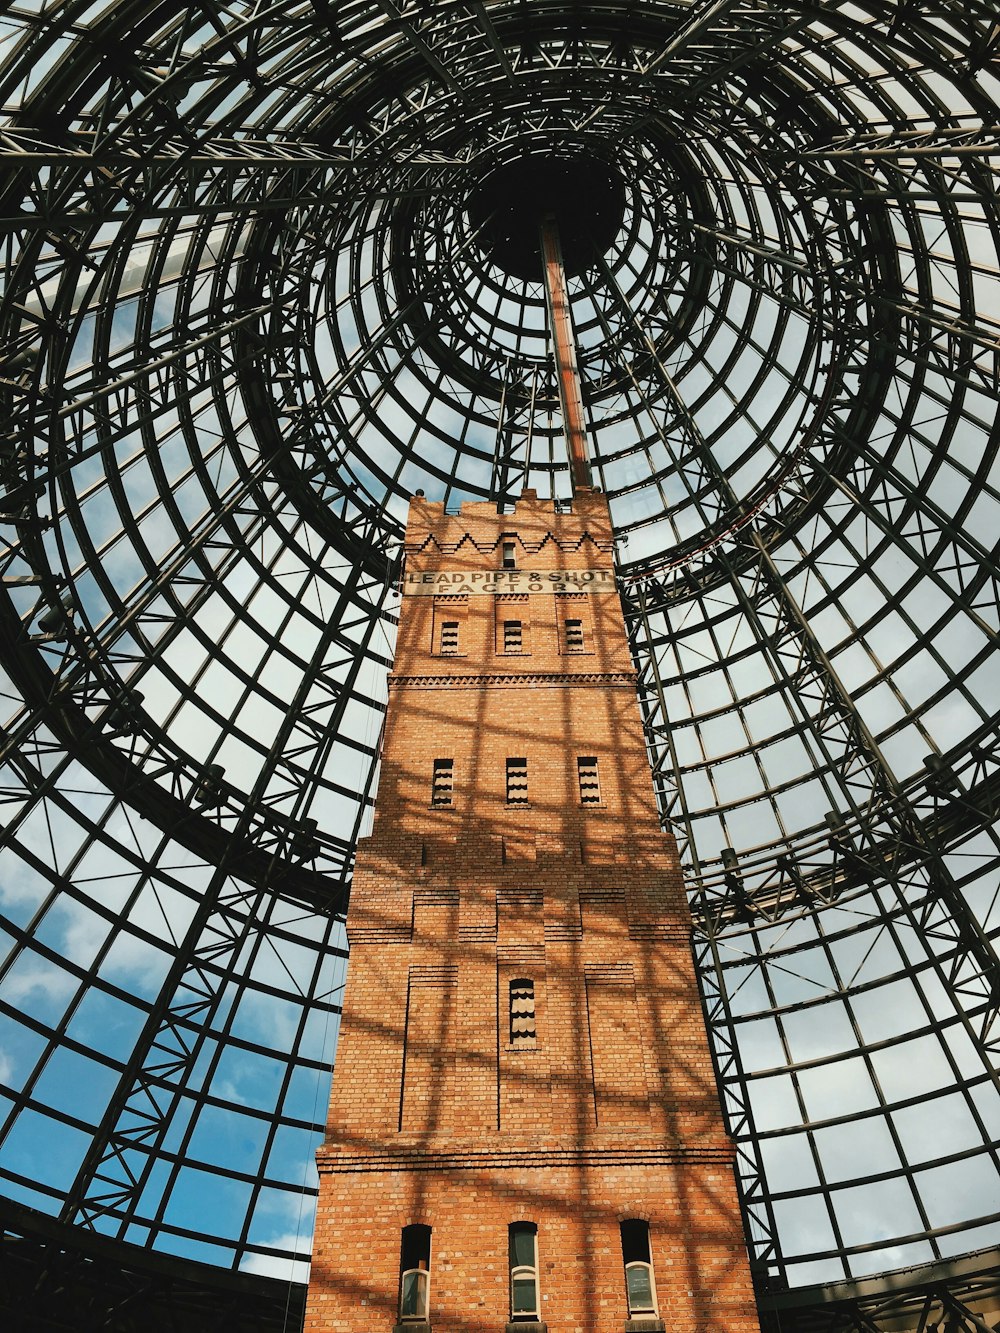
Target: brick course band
554	1159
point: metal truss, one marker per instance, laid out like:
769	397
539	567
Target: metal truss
963	1295
71	1278
245	314
66	182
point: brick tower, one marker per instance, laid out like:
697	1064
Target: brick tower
524	1130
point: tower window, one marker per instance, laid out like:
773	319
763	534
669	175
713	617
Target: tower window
639	1284
573	635
512	623
442	782
522	1013
513	641
507	555
523	1240
415	1274
449	636
448	631
517	781
589	780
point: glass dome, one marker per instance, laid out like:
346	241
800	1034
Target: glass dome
252	301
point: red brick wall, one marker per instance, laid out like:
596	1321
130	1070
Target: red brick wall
436	1116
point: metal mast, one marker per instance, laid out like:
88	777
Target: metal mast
564	346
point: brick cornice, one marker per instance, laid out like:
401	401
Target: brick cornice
616	680
417	542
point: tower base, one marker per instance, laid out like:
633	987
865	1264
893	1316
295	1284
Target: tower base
578	1202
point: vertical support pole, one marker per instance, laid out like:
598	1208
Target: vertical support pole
564	342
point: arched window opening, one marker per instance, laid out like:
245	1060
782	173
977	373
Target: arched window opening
639	1284
415	1274
523	1239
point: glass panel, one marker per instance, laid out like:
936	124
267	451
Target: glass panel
639	1279
413	1300
524	1293
522	1246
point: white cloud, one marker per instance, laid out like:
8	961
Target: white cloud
288	1270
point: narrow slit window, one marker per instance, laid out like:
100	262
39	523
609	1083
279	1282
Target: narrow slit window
523	1032
573	635
415	1275
589	780
448	627
507	559
449	636
443	782
523	1241
512	624
517	781
639	1285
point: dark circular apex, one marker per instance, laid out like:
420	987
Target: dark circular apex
586	196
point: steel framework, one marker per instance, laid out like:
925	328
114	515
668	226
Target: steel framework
246	312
